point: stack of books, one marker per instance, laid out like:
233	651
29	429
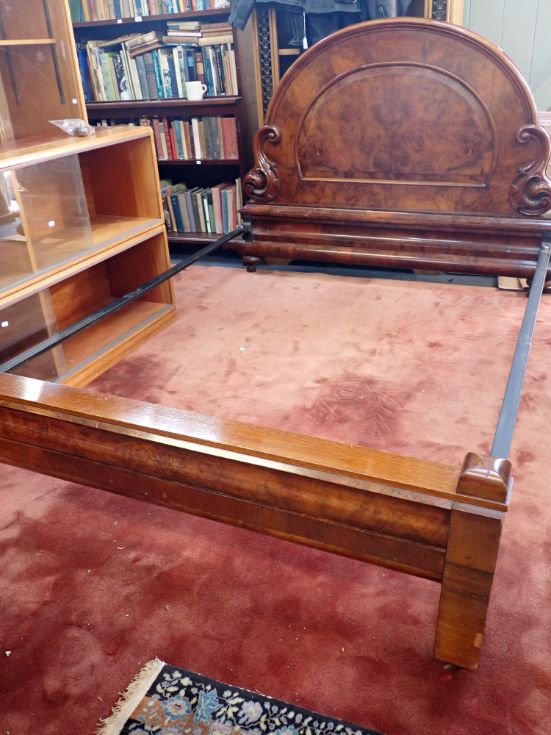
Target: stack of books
86	10
211	210
152	66
194	138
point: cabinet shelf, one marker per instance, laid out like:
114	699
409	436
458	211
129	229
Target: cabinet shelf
188	238
27	42
199	162
109	235
56	144
183	105
208	14
88	354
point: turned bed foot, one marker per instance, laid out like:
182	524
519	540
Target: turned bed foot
251	262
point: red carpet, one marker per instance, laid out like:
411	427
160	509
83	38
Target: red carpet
93	585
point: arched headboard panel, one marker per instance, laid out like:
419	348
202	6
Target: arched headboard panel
401	122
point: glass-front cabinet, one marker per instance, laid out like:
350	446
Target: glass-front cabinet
81	225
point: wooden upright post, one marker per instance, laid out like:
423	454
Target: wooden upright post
471	559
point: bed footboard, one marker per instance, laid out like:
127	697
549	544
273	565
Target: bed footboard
422	518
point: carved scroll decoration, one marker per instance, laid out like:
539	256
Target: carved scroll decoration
530	192
261	184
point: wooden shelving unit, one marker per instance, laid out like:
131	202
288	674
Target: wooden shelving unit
195	172
58	268
81	220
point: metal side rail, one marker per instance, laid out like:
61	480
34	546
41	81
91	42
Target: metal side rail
511	399
119	303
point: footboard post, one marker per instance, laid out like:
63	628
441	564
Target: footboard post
471	558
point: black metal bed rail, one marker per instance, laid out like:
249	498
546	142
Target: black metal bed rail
513	391
119	303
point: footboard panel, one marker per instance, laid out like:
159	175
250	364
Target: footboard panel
373	506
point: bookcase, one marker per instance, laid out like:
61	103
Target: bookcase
198	142
82	226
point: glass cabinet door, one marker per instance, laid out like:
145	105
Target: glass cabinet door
45	223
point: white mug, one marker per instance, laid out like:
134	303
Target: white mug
195	90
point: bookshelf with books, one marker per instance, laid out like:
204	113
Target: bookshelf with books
137	70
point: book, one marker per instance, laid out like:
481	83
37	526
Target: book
229	137
196	138
175	202
151	77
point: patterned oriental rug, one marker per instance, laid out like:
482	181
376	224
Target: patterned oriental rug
168	700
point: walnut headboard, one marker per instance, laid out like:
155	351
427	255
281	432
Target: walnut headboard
405	143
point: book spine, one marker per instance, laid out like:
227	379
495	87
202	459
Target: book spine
157	137
238	202
188	137
216	192
158	74
135	77
172	73
142	76
233	70
182	201
177	214
151	76
176	132
206	138
200	212
84	71
182	61
199	68
206	210
172	141
191	212
230	126
172	218
225	220
196	138
165	73
178	71
190	64
207	71
220	69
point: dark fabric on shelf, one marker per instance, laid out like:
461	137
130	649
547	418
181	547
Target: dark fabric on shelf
364	9
323	17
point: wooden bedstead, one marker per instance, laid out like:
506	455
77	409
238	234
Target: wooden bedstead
397	143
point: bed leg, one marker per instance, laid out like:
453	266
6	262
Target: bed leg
251	262
471	557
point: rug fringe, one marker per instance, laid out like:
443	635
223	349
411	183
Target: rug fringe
130	698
